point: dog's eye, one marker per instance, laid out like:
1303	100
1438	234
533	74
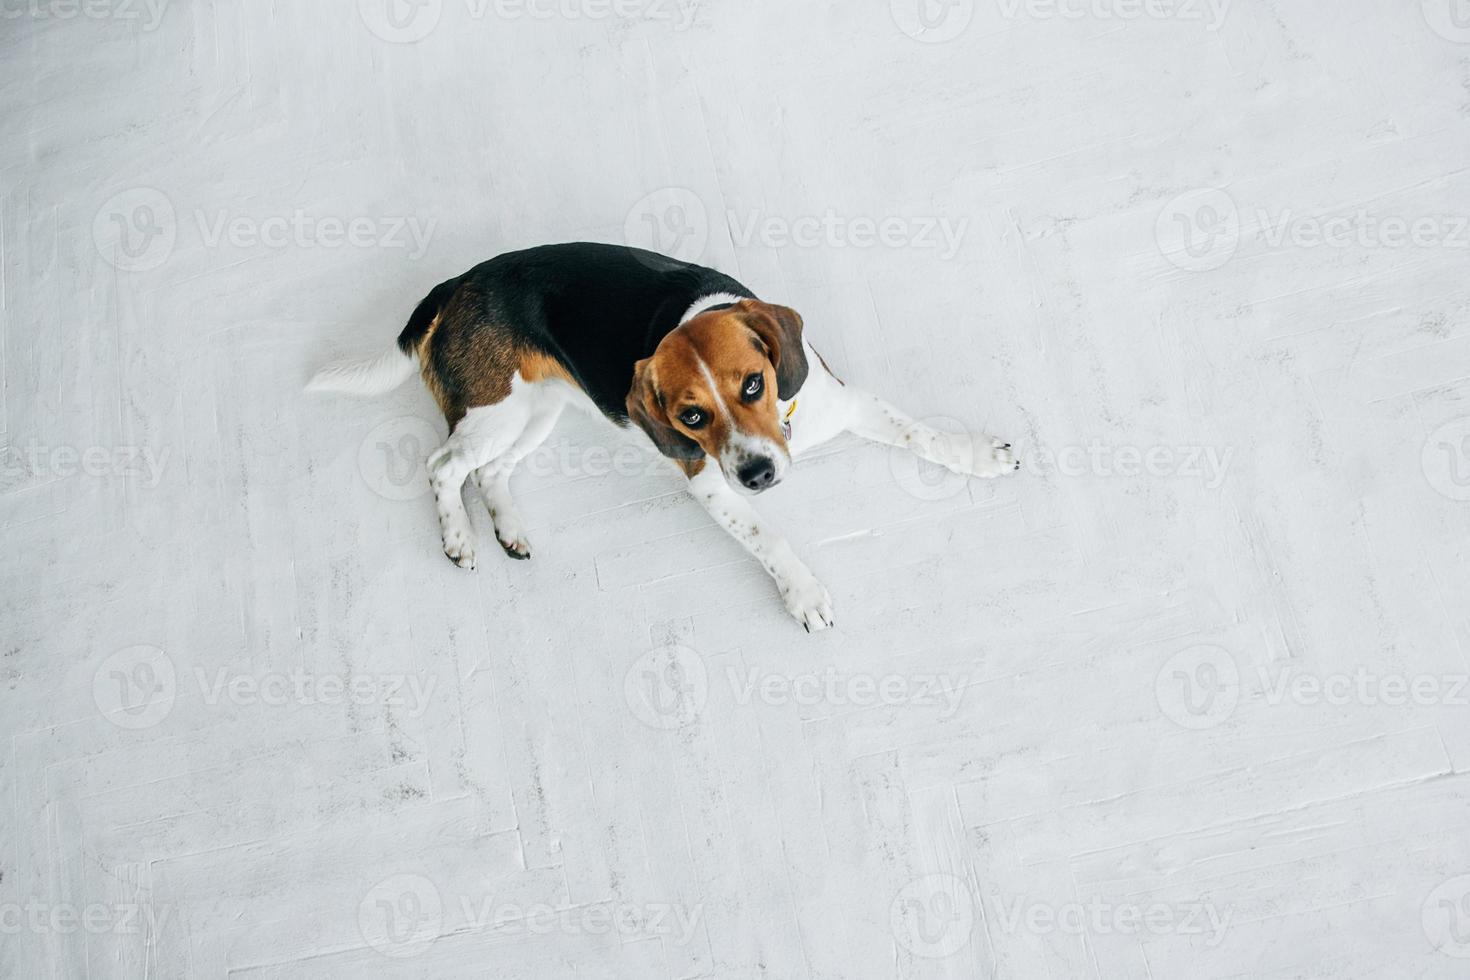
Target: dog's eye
754	385
692	417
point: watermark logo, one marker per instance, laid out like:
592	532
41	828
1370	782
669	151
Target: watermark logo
1198	687
300	231
933	916
391	458
680	13
1207	464
1365	687
135	230
150	12
837	231
1445	459
675	923
142	464
1450	19
1199	231
845	690
1100	918
927	480
1445	916
400	21
401	915
933	21
408	693
138	229
135	687
93	918
1363	229
1210	14
672	221
138	686
666	688
562	458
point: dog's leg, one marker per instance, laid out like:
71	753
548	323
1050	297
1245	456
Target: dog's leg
873	418
493	479
484	434
805	597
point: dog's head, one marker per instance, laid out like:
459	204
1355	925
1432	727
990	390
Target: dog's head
710	389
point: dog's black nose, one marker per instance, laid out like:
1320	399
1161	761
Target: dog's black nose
758	474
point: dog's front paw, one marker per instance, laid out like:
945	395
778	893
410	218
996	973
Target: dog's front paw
807	600
517	547
993	457
459	548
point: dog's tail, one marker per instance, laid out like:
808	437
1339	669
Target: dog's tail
388	370
369	376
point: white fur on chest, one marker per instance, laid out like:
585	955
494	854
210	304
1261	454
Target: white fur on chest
821	408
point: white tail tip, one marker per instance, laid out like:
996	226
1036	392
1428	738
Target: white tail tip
371	376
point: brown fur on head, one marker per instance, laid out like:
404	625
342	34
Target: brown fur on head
693	396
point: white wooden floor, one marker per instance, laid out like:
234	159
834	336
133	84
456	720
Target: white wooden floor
1185	698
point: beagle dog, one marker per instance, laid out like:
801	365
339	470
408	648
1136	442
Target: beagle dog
723	384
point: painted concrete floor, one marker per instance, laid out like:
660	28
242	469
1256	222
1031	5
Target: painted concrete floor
1185	698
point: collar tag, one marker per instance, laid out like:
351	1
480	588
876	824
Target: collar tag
786	421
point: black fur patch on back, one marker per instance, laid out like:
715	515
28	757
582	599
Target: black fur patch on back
424	313
597	309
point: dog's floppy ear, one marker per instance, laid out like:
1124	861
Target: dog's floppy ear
645	408
779	328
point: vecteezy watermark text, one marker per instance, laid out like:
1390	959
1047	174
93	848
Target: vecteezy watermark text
934	916
149	12
94	918
841	689
143	463
137	230
1364	229
137	687
1100	918
668	688
410	21
300	230
401	914
1364	687
674	221
1207	464
1200	687
1209	13
279	689
832	230
1201	230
